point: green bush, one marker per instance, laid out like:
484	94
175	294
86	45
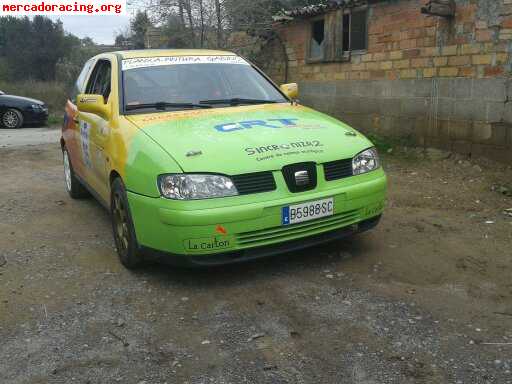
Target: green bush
54	94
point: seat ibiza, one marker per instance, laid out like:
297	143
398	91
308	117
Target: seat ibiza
202	160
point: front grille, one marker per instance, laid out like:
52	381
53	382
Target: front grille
298	183
338	169
254	182
283	233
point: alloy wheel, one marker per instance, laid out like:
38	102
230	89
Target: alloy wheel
67	170
10	119
121	231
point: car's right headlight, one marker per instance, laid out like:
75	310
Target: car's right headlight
182	186
365	161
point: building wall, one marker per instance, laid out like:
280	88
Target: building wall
425	79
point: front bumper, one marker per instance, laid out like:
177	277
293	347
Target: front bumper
31	116
248	225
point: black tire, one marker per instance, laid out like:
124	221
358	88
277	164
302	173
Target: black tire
122	227
12	118
75	189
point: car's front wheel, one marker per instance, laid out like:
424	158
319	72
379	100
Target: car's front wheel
123	228
75	189
12	118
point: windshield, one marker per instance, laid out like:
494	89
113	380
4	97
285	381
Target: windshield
161	83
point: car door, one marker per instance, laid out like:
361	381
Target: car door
95	130
71	129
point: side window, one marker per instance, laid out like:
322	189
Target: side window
80	81
99	82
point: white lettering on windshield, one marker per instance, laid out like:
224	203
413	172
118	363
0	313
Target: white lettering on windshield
144	62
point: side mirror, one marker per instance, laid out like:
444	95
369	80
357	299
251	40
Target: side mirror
93	104
291	90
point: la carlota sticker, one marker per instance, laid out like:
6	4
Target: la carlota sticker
208	243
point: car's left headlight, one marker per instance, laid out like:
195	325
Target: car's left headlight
37	107
195	186
365	161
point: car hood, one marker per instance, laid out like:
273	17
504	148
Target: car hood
244	139
20	99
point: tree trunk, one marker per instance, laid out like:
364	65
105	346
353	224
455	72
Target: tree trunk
181	13
188	8
219	24
201	16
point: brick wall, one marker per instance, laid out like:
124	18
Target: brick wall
431	80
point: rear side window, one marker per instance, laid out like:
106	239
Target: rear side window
80	81
99	82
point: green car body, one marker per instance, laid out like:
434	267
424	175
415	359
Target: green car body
262	143
263	149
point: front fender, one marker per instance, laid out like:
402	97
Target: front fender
146	160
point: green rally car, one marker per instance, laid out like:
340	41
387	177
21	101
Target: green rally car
202	160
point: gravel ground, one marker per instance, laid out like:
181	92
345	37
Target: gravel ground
424	298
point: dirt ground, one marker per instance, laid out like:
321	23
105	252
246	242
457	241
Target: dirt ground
424	298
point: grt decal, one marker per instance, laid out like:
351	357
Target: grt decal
268	123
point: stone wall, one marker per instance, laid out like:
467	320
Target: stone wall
435	81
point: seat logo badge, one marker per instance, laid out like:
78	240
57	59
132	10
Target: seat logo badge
301	178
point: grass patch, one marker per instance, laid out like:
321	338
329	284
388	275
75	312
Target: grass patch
55	120
383	144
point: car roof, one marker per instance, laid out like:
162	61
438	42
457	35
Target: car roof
171	52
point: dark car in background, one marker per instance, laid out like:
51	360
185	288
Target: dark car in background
16	111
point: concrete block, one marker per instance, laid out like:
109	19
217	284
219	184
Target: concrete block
402	88
390	106
344	88
489	89
462	88
347	103
507	112
495	134
482	132
417	107
422	87
495	112
470	110
461	130
325	88
445	108
369	105
444	87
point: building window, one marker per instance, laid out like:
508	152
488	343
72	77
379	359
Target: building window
358	36
316	46
336	34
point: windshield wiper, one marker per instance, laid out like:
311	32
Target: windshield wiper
237	101
163	106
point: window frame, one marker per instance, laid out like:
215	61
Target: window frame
82	80
333	45
311	23
94	74
364	50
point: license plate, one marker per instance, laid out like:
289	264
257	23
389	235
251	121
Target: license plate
310	210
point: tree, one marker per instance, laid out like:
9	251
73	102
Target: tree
35	48
139	27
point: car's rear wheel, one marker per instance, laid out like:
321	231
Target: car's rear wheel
12	118
75	189
123	228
